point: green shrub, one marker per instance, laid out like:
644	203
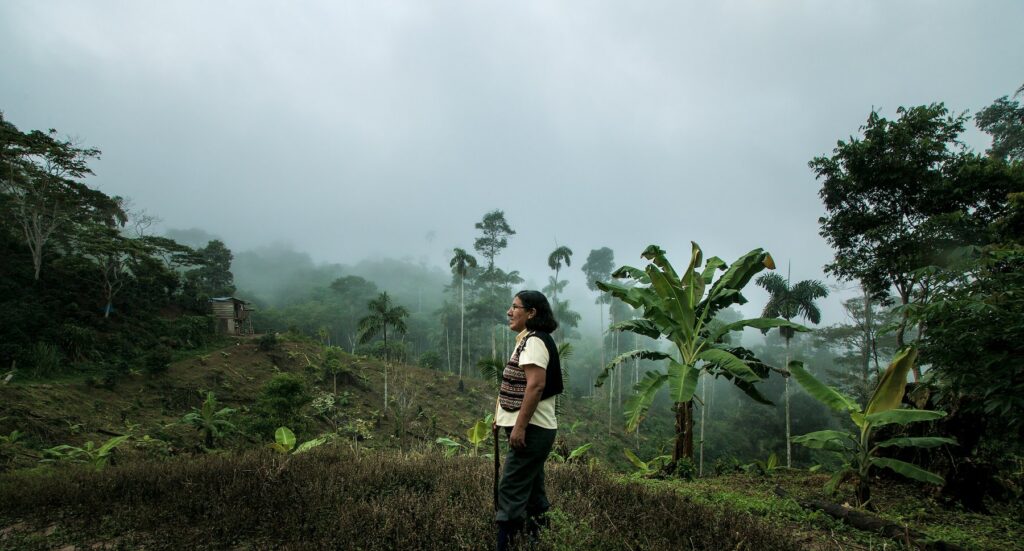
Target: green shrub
267	342
279	404
157	361
45	359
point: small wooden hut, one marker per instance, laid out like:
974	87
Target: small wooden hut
231	316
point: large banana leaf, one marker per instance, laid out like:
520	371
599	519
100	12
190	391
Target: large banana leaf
673	301
750	390
644	392
917	442
632	273
643	354
893	383
903	416
906	469
832	440
730	363
693	284
682	381
639	326
636	461
756	323
656	255
822	392
725	291
713	264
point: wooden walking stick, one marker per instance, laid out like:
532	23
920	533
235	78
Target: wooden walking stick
497	466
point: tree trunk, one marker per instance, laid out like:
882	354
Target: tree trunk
684	432
462	320
789	445
703	411
868	338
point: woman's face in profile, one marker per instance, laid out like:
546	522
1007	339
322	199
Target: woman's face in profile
517	315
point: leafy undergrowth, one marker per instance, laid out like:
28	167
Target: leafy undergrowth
346	498
897	501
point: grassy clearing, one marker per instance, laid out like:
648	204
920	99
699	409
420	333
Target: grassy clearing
352	499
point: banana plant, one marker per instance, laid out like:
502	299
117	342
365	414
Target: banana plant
213	423
479	432
857	448
90	453
646	468
680	308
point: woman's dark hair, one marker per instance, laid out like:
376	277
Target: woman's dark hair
544	320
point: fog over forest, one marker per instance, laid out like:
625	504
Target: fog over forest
351	132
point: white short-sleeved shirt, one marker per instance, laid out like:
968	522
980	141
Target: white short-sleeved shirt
534	353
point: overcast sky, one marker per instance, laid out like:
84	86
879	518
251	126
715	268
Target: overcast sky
358	129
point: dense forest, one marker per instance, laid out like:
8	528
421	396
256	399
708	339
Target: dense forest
921	387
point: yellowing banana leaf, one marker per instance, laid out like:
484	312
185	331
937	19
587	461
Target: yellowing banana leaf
893	383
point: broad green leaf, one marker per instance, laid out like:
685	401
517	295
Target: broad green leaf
773	461
893	383
908	470
111	444
673	302
833	483
638	404
641	326
755	323
478	432
631	273
639	353
713	263
682	381
310	444
821	440
730	363
751	391
821	392
903	416
725	291
656	255
636	461
285	438
579	451
693	284
917	442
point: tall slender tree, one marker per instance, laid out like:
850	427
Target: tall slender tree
598	267
495	232
557	257
461	263
788	302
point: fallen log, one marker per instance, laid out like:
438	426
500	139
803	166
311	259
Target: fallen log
863	520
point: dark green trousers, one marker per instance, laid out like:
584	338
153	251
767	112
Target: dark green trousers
521	490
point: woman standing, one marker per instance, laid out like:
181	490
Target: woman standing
526	409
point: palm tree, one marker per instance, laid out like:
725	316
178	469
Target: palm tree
461	263
555	260
382	315
788	302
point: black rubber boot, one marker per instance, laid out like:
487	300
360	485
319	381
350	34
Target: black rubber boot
508	534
